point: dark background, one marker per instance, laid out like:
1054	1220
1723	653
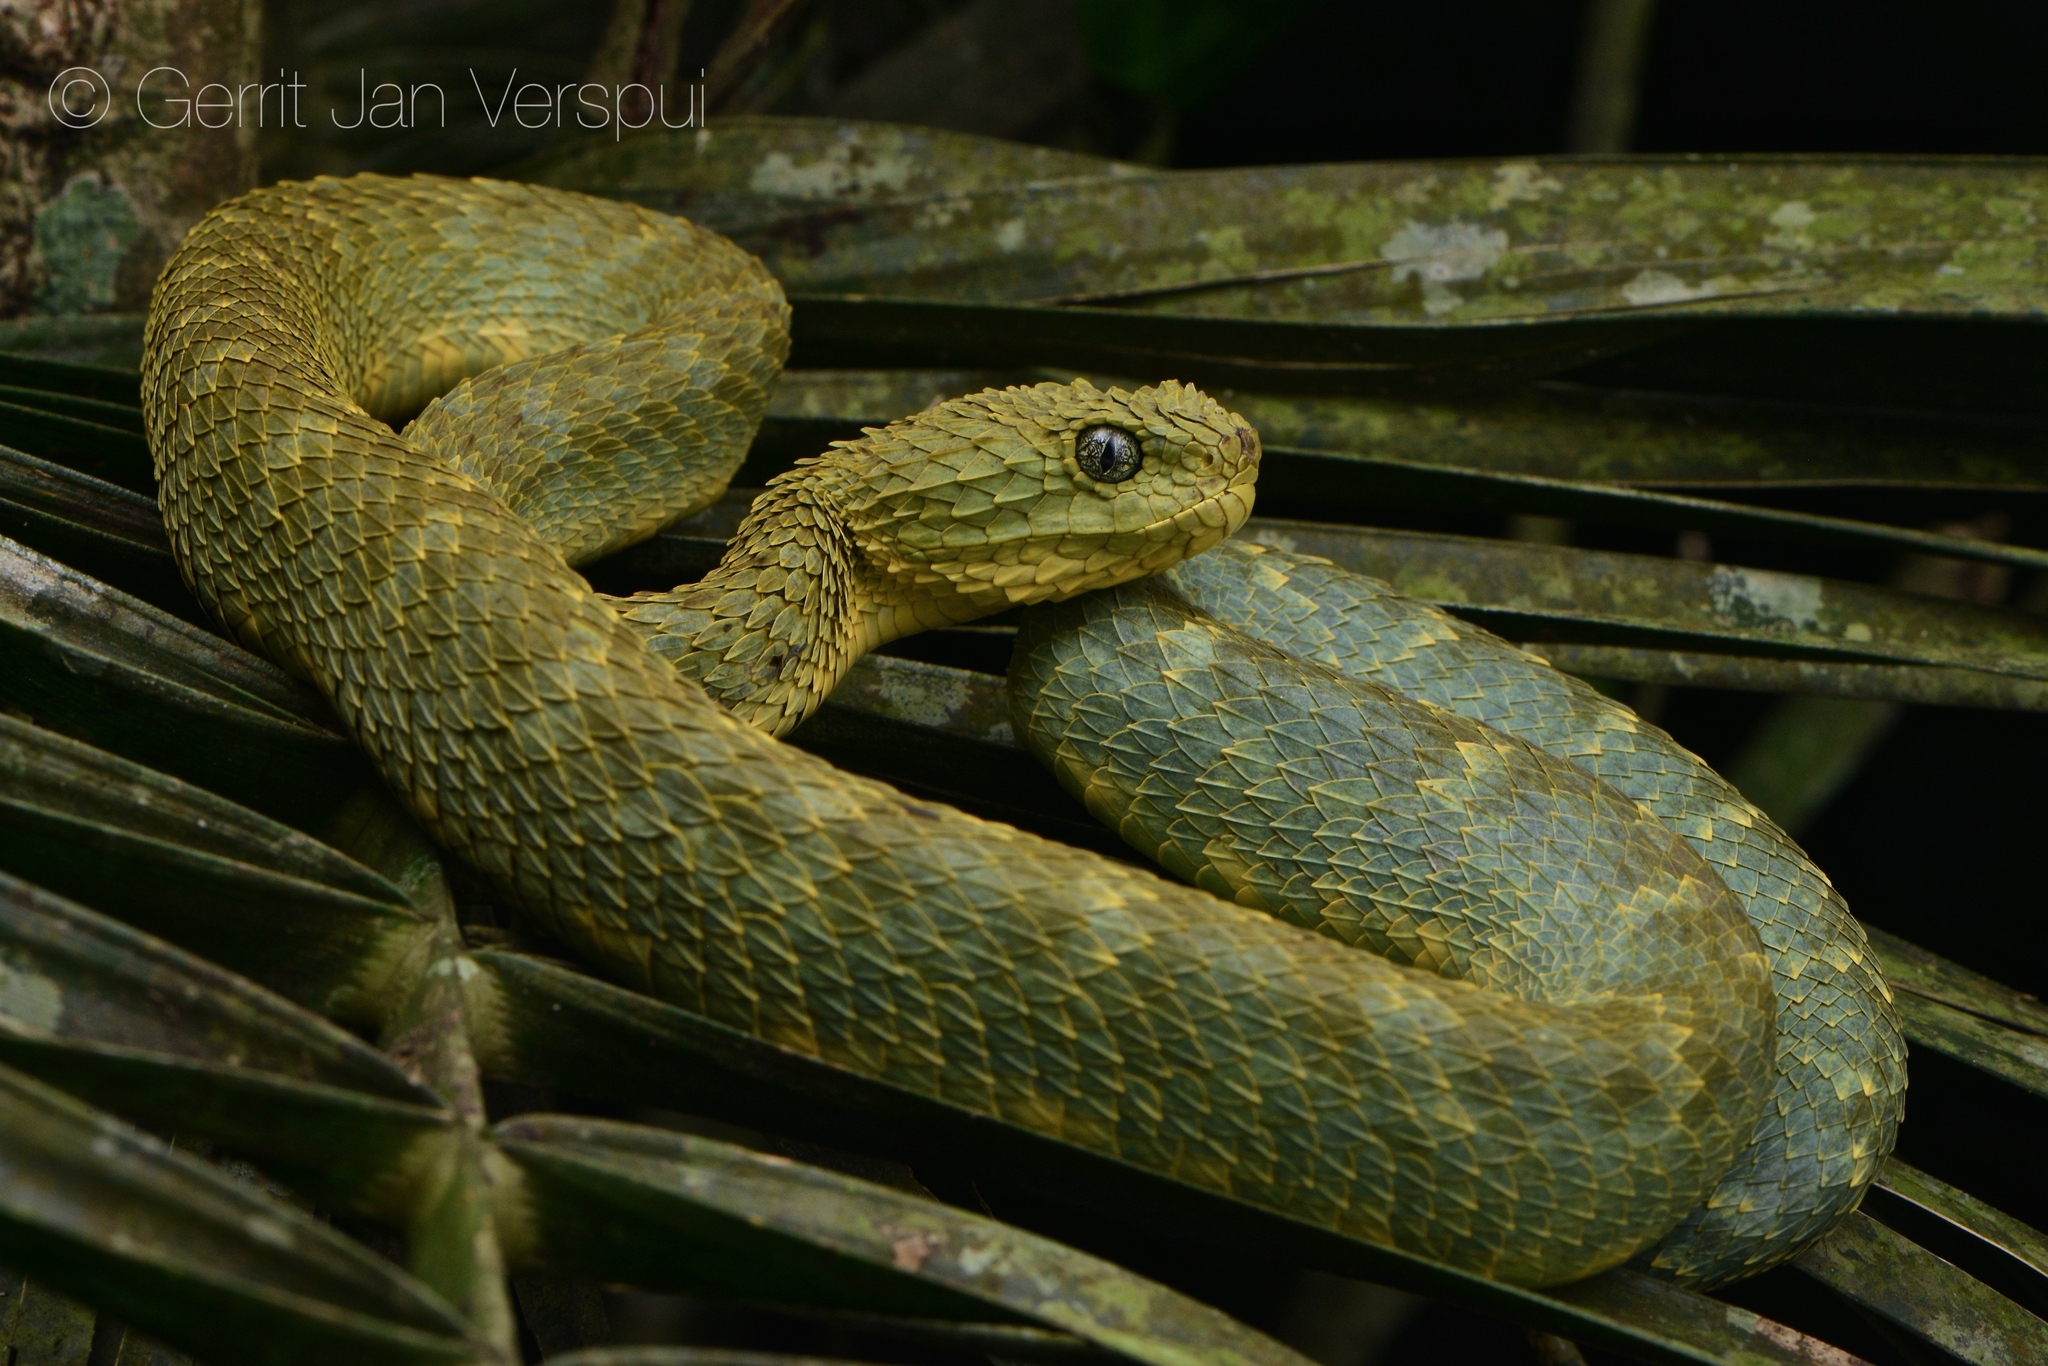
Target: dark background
1371	81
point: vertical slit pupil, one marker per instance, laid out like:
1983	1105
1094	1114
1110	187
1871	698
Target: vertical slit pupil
1106	454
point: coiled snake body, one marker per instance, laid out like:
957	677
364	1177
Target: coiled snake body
600	371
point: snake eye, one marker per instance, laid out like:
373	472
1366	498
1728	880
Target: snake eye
1108	455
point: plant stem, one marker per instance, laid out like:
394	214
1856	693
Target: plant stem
1610	75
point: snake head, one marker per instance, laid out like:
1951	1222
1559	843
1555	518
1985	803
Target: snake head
1034	494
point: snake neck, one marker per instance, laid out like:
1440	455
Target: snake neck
771	631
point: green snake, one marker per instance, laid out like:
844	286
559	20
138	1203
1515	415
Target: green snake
1569	1062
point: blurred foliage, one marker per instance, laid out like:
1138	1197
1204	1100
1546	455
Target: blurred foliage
1183	54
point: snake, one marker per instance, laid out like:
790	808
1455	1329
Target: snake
1840	1078
389	417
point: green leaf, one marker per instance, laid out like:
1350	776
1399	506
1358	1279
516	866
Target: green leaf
1908	967
2009	1054
118	455
76	975
125	415
88	660
114	1217
351	1152
1694	1326
1966	1016
127	1346
196	869
1934	1301
1576	431
40	1326
955	702
421	1012
1344	486
748	171
1411	276
1440	245
1943	1207
105	530
161	1036
884	328
93	356
1001	1344
644	1206
561	1314
1003	1341
1924	684
1534	592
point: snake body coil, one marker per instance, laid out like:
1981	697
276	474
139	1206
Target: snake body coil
588	349
1840	1066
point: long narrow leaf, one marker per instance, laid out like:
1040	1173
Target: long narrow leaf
1996	1247
96	356
124	415
88	660
39	1325
1965	1015
748	171
2009	1054
1342	486
1534	591
114	1217
1934	1301
725	1356
161	1036
955	702
74	974
1911	968
1929	685
108	532
1257	353
644	1206
1581	432
1429	243
196	869
118	455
